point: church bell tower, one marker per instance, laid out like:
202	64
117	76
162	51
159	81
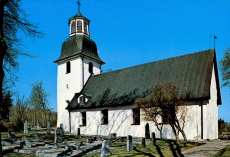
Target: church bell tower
79	60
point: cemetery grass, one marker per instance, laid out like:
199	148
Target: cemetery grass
45	136
19	155
19	134
223	152
162	148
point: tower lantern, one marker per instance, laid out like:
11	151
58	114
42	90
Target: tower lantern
79	24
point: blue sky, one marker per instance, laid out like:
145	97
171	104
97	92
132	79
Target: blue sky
126	32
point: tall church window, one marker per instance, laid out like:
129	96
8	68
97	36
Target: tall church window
168	114
79	26
85	28
68	67
83	115
73	27
136	116
90	67
104	117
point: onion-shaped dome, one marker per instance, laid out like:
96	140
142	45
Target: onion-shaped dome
79	45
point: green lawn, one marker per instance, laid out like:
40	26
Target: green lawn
18	155
162	148
44	136
224	152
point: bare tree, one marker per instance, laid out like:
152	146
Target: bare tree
39	102
225	68
150	112
163	106
18	112
12	18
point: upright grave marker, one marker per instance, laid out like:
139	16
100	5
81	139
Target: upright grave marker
105	150
48	128
153	138
25	127
129	143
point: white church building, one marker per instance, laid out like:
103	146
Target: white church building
101	104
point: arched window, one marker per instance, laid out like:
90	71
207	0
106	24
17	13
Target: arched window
79	26
68	67
82	100
85	28
83	114
90	67
104	117
136	116
73	27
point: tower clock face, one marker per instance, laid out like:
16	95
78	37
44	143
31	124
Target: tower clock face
73	27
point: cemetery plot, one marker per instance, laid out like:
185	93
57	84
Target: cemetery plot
59	144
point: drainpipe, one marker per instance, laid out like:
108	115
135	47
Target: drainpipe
82	73
83	82
69	122
202	120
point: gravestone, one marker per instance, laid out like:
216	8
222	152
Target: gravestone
48	128
129	143
78	133
22	143
147	132
57	135
38	152
143	142
38	126
123	139
35	135
153	138
94	138
12	135
113	136
7	142
88	140
62	129
67	147
105	150
26	127
28	144
24	138
77	145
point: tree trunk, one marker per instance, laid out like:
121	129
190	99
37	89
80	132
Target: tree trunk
3	49
35	118
183	133
174	131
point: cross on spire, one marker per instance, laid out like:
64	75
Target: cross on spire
79	4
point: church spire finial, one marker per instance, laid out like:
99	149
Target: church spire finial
79	4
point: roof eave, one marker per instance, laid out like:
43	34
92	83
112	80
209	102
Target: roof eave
78	55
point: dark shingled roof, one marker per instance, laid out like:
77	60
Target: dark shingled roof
191	73
79	16
79	45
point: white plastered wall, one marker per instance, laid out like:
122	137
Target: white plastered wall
120	122
67	85
211	112
70	83
96	68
